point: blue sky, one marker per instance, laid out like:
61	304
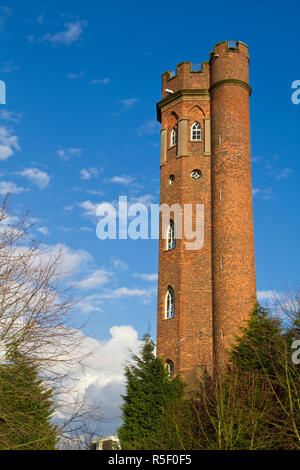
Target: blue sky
79	128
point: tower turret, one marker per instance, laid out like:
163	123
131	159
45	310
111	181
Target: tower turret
233	265
204	294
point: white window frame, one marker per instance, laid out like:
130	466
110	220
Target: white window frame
196	127
174	137
170	238
170	303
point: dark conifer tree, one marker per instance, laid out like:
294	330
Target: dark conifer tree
149	389
25	407
259	345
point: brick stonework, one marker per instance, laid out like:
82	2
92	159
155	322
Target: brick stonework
215	286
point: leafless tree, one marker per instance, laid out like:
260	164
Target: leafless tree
36	317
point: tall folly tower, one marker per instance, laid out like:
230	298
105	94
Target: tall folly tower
205	294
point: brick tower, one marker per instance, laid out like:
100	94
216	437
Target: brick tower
206	294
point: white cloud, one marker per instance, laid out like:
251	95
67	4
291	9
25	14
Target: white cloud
10	115
88	173
38	177
90	304
94	302
68	261
128	103
97	279
65	154
270	295
95	192
265	194
43	230
146	199
119	264
40	18
102	381
282	173
71	33
268	194
8	67
10	187
148	277
121	292
71	261
74	76
8	143
149	127
9	220
89	208
122	179
278	173
100	81
5	13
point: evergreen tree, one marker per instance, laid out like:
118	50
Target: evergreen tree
25	407
259	346
264	350
149	389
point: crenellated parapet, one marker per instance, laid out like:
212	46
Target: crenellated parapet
229	63
187	75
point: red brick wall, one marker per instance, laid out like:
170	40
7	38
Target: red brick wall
232	219
208	298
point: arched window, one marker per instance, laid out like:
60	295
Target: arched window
171	179
170	303
171	236
222	335
174	136
170	367
196	131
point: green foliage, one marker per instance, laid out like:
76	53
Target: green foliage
260	343
176	429
240	409
149	389
263	351
253	405
25	407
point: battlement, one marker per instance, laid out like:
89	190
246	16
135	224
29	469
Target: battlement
229	46
186	76
229	61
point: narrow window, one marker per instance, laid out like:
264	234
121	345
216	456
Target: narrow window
171	236
171	179
170	303
170	367
222	335
174	136
196	131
